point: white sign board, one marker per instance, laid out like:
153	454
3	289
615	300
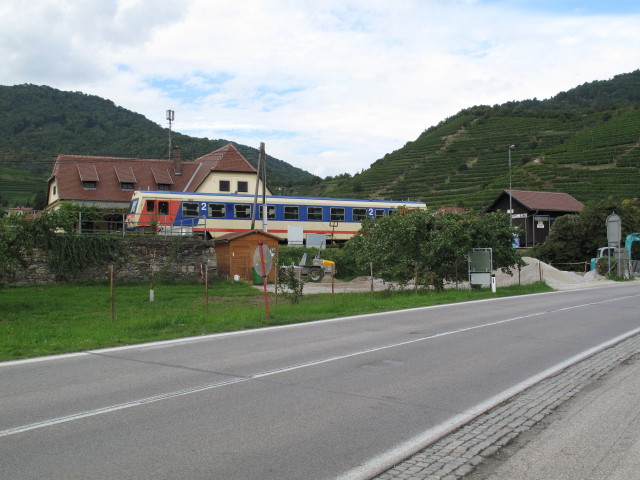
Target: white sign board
295	235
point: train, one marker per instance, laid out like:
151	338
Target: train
217	214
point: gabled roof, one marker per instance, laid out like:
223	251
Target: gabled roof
225	159
547	201
235	235
71	171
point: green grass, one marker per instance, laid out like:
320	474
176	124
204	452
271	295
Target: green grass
46	320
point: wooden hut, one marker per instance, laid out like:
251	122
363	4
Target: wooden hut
534	212
234	253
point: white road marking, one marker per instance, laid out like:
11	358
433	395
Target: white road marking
463	417
388	459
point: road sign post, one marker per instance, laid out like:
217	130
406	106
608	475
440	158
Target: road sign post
262	264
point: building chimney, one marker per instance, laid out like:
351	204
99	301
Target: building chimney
177	161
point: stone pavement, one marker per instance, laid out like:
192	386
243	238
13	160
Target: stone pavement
458	454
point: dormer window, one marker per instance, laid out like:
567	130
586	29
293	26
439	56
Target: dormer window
126	186
164	186
88	175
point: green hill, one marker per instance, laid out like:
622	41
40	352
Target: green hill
40	122
585	142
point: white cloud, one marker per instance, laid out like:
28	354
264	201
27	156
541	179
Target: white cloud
328	86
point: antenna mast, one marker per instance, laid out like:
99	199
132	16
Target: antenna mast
170	116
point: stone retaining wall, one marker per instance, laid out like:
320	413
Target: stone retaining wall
146	258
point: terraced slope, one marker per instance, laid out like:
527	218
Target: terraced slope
465	161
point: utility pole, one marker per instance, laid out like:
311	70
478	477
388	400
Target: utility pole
510	194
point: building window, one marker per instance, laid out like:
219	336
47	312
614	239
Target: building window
243	187
242	211
292	212
54	189
89	185
359	214
314	213
190	209
164	186
337	214
126	186
217	210
225	186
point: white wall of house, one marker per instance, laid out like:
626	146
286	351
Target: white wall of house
230	182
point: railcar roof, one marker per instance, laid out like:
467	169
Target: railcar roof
275	197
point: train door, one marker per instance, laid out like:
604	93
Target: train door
155	211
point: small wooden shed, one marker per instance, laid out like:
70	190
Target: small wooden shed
535	212
234	253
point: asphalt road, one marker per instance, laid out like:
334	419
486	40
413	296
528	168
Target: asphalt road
320	400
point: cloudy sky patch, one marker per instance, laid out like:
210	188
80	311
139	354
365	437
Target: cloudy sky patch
329	86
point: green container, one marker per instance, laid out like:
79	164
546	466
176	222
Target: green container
257	278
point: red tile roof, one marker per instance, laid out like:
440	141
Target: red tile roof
87	172
125	173
161	175
71	171
225	159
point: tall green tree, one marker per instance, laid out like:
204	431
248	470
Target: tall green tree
431	246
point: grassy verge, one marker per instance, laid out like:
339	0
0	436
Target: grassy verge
49	320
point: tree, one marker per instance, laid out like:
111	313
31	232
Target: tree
431	246
576	238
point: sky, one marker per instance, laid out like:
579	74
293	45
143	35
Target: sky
329	86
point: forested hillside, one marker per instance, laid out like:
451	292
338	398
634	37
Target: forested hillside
40	122
584	142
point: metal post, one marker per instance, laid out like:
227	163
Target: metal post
264	280
510	194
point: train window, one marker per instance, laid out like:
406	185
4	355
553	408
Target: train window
134	205
217	210
379	212
225	186
314	213
163	208
291	212
337	214
271	211
242	211
393	211
189	209
151	206
243	187
359	214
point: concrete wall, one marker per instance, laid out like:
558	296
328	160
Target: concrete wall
146	257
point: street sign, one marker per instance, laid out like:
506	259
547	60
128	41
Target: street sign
614	230
266	259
